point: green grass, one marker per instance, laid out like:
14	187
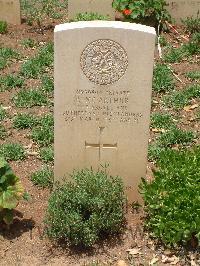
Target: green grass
43	178
3	113
43	134
176	55
10	81
89	16
30	98
6	54
22	121
12	151
193	75
36	66
47	84
3	132
162	121
179	99
47	154
163	80
29	43
173	137
3	27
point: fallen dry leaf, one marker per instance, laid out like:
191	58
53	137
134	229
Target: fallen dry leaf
154	260
121	263
158	130
190	107
134	251
172	260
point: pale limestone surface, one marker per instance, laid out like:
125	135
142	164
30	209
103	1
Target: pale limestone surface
103	81
103	7
181	9
10	11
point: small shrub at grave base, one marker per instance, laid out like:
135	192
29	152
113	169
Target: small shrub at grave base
192	24
30	98
162	78
3	113
179	99
89	16
47	154
193	75
37	65
12	151
3	27
3	133
172	199
82	211
46	120
161	121
10	81
11	192
43	178
163	41
29	43
22	121
47	84
38	10
143	11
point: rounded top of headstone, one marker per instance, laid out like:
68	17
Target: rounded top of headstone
105	24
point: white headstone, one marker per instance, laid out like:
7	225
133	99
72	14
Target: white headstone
103	7
10	11
103	81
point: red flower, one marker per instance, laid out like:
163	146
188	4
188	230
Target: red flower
127	12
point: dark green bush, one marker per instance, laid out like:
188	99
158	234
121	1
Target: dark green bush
83	210
172	199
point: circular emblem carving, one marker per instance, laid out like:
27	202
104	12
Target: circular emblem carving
104	61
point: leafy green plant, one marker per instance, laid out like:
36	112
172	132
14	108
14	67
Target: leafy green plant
179	99
39	64
172	199
47	154
88	16
193	75
175	136
162	79
43	134
3	27
11	191
3	113
43	178
161	121
10	81
12	151
174	55
83	210
38	10
3	132
23	120
29	43
6	55
154	151
141	10
29	98
47	84
192	24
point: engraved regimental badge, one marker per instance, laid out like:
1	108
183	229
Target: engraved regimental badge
104	61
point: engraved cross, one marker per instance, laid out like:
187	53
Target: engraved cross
100	146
